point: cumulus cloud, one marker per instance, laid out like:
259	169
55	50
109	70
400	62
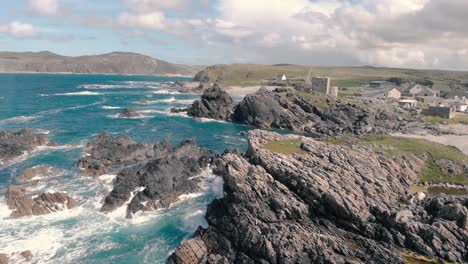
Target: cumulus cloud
397	33
18	29
44	7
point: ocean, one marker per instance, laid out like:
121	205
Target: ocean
72	109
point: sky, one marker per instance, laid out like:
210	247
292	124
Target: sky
392	33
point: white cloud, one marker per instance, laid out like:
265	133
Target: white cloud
154	20
143	6
44	7
18	29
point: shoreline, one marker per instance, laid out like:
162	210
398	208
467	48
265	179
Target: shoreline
458	140
78	73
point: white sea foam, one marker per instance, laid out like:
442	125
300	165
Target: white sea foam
23	118
116	116
42	131
18	119
165	92
79	93
108	107
123	85
209	120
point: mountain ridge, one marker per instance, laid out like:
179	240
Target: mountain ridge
116	62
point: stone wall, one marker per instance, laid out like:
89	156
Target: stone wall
444	112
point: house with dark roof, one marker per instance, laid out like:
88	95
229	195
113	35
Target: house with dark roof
384	94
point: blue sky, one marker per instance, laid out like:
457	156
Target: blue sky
394	33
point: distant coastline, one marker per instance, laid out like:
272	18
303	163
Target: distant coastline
97	73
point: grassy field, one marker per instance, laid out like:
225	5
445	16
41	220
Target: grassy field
256	74
287	147
459	119
394	146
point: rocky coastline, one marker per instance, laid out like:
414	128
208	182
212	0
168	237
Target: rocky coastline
14	144
325	203
308	113
149	176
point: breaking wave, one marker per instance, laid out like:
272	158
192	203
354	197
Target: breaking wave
78	93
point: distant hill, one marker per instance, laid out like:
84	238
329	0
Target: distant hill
257	74
109	63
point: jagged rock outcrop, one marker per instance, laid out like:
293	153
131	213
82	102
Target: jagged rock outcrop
129	113
157	182
215	103
26	204
106	154
325	204
38	172
202	76
266	109
13	144
315	116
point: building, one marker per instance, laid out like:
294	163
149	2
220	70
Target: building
382	84
440	111
320	84
432	101
408	103
426	91
384	94
283	78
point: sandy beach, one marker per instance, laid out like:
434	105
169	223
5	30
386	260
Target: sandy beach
239	90
460	140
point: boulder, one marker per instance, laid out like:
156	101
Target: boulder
24	204
106	154
14	144
189	252
27	255
129	113
215	103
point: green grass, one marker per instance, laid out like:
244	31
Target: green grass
256	74
459	119
411	258
287	147
394	146
318	100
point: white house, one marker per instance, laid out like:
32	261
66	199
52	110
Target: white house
283	78
384	94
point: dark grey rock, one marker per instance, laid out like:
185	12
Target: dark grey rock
331	204
129	113
106	153
215	103
13	144
157	181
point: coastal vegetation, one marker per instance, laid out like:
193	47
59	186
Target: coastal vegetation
431	152
257	74
411	258
287	147
459	119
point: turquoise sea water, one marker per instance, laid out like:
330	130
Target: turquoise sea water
73	109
